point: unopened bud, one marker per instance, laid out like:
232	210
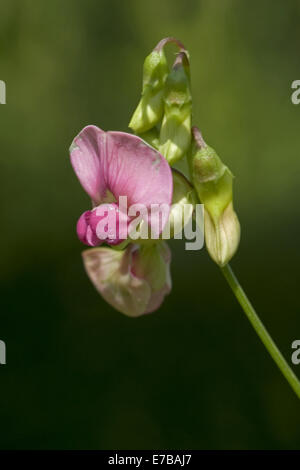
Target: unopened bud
183	205
213	183
175	134
151	106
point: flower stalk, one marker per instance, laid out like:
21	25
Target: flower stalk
260	328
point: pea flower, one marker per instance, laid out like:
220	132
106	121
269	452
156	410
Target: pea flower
109	166
112	165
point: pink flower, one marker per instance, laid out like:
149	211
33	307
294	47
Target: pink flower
113	164
134	281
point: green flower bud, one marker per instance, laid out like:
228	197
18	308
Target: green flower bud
213	182
222	237
151	106
175	134
183	203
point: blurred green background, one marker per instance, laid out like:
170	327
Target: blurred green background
194	375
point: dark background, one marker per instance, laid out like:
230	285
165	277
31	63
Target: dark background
80	375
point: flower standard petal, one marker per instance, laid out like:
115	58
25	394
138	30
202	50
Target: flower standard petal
137	170
87	151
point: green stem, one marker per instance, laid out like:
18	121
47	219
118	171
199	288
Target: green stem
260	329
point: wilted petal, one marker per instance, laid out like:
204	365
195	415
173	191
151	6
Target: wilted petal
135	280
152	263
157	297
110	272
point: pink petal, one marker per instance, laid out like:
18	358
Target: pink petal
136	170
85	232
85	151
115	164
109	223
127	278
